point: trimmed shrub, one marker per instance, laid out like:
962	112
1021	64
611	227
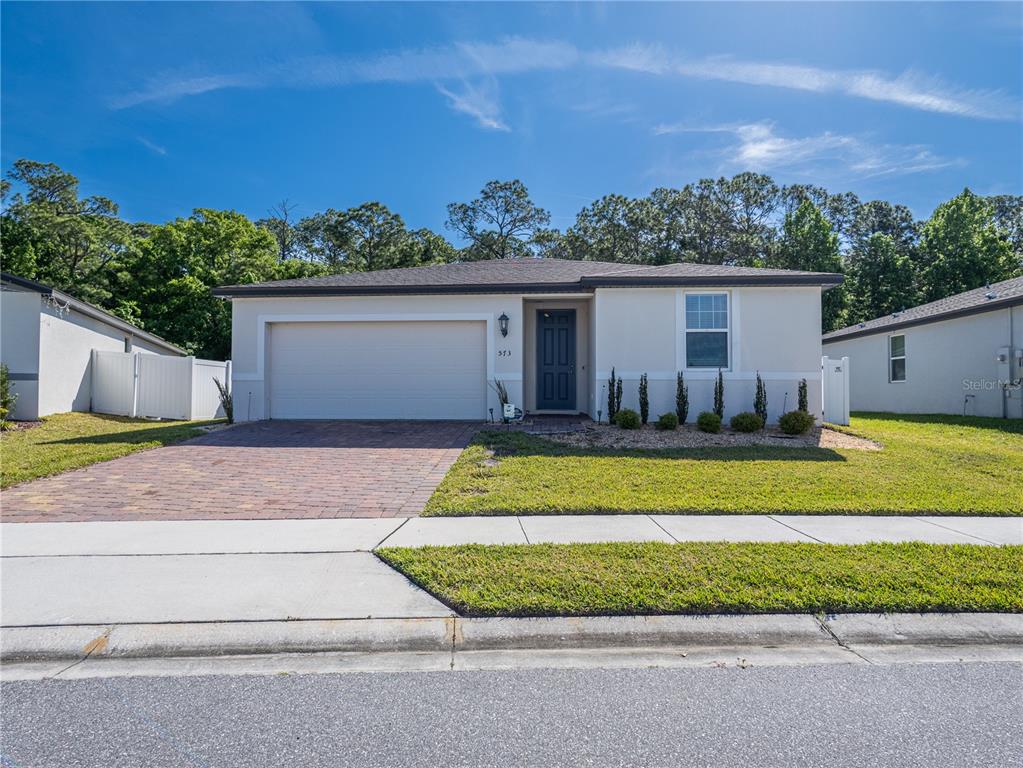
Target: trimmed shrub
666	421
644	399
803	401
747	421
719	395
627	418
760	400
681	399
708	422
796	422
7	398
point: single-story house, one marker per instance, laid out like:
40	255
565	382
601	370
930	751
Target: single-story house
958	355
47	340
429	342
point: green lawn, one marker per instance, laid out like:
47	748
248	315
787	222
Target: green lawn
71	440
941	465
656	578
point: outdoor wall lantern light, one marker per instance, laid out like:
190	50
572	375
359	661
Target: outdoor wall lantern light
502	322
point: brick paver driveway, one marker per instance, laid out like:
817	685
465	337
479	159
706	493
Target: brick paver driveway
261	470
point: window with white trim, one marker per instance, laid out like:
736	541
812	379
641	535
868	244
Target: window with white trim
706	330
896	358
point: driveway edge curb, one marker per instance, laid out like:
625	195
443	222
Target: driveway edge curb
453	634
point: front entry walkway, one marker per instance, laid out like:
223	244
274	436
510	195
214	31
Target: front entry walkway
257	471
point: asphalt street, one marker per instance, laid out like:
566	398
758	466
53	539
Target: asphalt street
949	714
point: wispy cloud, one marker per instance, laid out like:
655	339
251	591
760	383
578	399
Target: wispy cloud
479	102
909	89
474	61
758	147
151	146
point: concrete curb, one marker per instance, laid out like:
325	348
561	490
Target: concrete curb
453	634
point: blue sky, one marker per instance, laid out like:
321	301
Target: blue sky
167	107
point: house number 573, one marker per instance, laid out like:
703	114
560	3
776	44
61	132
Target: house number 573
504	353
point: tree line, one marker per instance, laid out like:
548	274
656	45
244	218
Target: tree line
159	276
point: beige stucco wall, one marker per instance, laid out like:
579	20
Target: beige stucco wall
19	348
950	367
66	341
773	330
636	330
250	317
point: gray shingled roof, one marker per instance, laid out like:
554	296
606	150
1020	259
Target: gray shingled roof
524	275
998	295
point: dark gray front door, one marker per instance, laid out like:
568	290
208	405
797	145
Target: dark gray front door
555	359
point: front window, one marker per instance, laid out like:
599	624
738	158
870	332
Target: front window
896	358
706	330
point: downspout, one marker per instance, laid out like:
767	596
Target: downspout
1005	384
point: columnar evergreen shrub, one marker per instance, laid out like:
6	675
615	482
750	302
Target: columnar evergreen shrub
612	403
644	399
719	395
803	401
618	395
760	400
681	399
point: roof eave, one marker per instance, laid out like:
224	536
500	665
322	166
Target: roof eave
245	291
583	285
826	281
979	309
96	313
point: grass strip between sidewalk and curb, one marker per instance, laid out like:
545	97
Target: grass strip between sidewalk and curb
715	577
72	440
934	465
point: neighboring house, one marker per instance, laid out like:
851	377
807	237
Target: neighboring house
428	342
47	339
958	355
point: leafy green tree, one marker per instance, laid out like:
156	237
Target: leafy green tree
424	247
500	223
178	263
961	248
614	228
881	279
53	235
809	243
1008	213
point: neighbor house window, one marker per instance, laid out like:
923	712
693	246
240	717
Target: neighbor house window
706	330
896	358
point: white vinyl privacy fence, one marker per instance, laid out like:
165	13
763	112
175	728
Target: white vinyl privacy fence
835	384
157	386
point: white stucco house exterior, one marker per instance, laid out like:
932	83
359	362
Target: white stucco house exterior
429	342
959	355
47	340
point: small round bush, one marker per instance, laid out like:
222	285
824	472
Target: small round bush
708	421
627	418
747	421
796	422
667	421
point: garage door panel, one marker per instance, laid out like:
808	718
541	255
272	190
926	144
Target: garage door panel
378	370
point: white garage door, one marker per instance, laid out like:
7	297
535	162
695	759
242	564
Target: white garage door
378	370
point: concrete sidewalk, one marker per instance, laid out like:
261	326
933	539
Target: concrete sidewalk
364	535
183	587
